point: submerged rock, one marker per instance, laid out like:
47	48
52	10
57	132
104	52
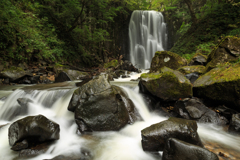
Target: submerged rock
155	137
221	85
102	107
33	128
227	50
169	85
179	150
166	59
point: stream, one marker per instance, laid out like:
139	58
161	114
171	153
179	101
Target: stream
125	144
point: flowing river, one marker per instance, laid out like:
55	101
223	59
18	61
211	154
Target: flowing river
125	144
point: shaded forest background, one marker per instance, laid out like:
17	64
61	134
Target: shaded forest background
88	33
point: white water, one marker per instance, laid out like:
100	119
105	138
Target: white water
147	34
122	145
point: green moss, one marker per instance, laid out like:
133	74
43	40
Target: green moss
13	68
151	75
191	69
112	63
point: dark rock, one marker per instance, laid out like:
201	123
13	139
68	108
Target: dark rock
169	85
128	66
234	126
155	137
39	127
225	111
20	145
6	81
194	109
71	75
120	73
198	59
62	77
179	150
34	79
35	150
192	77
166	59
102	107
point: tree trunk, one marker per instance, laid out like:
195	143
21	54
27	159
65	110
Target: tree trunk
191	10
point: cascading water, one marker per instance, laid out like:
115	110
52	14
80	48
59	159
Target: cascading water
122	145
147	33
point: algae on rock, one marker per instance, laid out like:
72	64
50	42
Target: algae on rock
168	85
168	59
221	84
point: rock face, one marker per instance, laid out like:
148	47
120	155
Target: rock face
169	85
227	50
179	150
220	85
155	137
234	126
167	59
194	109
33	128
102	107
198	59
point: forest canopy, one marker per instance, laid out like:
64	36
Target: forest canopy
83	31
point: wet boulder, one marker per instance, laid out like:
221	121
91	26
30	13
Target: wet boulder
221	85
34	150
166	59
194	109
155	137
227	50
102	107
33	129
179	150
234	126
198	59
168	85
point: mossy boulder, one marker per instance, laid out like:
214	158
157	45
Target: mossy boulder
198	59
226	51
192	69
112	64
168	85
166	59
221	84
14	73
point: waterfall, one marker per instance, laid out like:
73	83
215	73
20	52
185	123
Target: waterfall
147	33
